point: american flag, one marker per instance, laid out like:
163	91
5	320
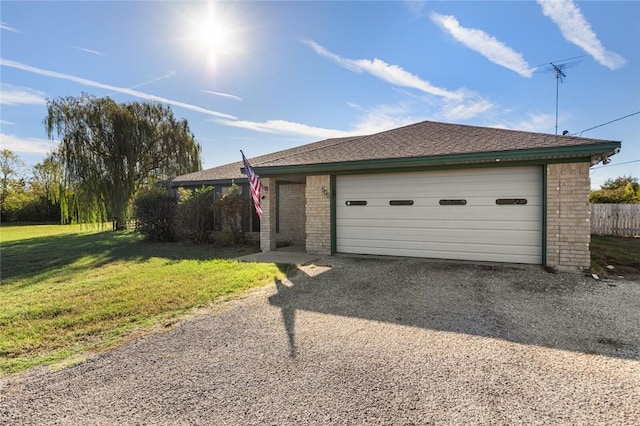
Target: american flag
254	183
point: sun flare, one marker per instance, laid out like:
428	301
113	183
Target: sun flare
214	33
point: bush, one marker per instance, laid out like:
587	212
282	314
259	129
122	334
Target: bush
155	212
232	205
196	214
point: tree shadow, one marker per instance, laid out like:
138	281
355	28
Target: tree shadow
36	259
524	305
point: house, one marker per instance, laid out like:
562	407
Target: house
431	190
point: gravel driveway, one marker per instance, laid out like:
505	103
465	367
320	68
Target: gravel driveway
369	341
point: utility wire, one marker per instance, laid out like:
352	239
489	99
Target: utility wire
609	122
618	164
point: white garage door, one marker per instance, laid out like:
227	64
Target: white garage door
488	214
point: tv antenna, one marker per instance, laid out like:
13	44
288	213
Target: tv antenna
558	67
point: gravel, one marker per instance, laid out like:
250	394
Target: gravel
365	340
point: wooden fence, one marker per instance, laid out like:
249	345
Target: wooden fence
620	220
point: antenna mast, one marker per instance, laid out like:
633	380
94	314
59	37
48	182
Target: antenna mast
560	75
558	67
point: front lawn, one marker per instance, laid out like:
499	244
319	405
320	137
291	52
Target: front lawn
67	291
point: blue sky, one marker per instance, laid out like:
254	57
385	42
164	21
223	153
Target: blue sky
266	76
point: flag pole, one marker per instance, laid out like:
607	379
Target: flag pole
254	184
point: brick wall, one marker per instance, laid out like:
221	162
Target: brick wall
268	220
318	215
568	216
291	214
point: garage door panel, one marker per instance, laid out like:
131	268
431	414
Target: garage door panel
502	189
468	236
478	230
440	212
440	224
442	177
487	256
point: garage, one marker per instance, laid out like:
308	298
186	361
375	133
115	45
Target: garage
482	214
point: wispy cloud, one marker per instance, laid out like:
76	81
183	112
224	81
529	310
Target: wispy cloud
26	145
7	123
378	118
392	74
123	90
577	30
471	108
416	7
285	127
224	95
15	95
533	123
384	117
485	44
164	76
4	26
370	120
84	49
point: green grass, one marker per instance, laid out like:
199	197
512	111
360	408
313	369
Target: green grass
621	253
67	291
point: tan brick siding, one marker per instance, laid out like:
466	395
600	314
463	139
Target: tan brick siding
318	214
268	220
568	216
291	214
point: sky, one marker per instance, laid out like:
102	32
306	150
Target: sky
268	76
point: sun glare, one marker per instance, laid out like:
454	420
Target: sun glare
214	33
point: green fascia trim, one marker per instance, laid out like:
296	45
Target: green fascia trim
204	182
533	155
544	215
332	214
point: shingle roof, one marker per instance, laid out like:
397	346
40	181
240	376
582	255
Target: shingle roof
424	139
231	171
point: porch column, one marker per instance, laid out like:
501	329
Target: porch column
268	220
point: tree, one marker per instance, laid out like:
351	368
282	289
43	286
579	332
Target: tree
46	185
12	184
621	190
621	182
110	151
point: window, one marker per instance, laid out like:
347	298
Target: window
356	203
401	202
509	201
453	202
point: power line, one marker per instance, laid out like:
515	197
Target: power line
609	122
618	164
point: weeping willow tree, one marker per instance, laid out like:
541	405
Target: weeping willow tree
109	151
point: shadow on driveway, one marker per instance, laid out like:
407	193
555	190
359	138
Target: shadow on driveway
521	304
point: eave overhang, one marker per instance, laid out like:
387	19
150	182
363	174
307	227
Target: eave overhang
198	183
530	156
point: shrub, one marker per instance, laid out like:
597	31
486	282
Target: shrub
155	211
232	205
196	214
